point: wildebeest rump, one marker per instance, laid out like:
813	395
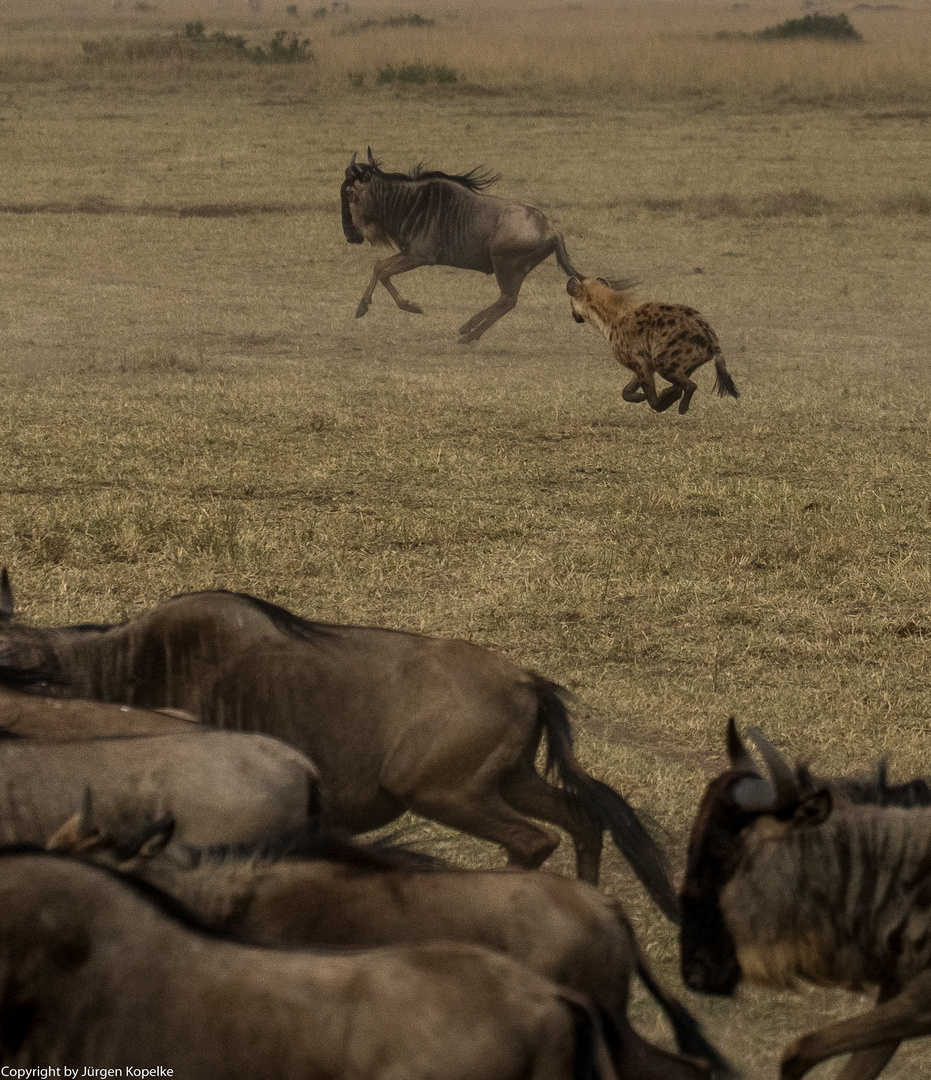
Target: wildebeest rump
394	721
342	894
219	786
438	219
784	882
98	971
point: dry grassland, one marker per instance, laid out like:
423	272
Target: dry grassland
190	402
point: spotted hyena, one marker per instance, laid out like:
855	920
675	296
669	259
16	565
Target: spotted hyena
651	339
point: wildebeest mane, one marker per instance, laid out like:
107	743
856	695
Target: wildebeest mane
477	179
874	788
320	843
156	897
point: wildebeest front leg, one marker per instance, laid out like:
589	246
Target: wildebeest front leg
384	271
871	1037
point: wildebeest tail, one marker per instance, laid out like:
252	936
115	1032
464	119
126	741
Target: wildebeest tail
562	257
601	803
723	383
690	1038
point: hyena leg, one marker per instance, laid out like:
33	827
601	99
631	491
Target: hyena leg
632	391
659	402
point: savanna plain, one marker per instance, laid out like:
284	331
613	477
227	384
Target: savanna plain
190	402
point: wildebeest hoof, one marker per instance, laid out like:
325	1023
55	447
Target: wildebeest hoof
409	305
361	310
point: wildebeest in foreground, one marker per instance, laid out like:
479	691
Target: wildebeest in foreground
651	339
438	219
219	786
394	721
103	972
784	882
337	893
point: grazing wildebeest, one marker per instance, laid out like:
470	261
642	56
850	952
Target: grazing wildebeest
219	786
437	219
784	882
394	721
100	971
337	893
651	339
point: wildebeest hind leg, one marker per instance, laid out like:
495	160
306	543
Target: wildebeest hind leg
383	272
487	816
526	790
509	281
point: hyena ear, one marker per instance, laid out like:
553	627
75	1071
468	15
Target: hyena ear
572	286
813	809
603	281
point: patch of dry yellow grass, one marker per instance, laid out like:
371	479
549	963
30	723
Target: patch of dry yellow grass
632	52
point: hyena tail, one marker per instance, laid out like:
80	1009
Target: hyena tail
723	383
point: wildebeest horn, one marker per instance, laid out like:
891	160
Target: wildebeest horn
371	159
784	779
737	752
6	597
572	286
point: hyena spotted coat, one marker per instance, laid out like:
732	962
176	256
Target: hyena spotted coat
651	339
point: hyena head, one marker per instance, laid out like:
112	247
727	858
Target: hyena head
598	301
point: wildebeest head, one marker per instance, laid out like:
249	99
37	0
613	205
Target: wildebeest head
732	802
357	175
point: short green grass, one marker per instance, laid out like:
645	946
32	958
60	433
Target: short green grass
191	403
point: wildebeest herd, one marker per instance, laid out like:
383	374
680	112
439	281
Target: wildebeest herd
181	887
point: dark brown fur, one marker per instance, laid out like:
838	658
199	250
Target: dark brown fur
669	340
784	883
580	938
101	972
394	721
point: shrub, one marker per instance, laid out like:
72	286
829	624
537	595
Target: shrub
391	22
195	44
834	27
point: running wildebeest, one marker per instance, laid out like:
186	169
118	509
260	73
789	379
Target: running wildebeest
438	219
219	786
103	972
785	882
394	721
332	892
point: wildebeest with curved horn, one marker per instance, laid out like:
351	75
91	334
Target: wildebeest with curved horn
394	721
439	219
784	882
104	973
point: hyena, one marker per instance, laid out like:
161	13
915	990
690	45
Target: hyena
651	339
